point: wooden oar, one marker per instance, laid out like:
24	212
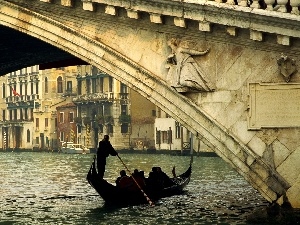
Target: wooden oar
148	199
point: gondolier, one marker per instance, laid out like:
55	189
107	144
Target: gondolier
104	150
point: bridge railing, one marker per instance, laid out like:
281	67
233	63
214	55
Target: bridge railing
285	6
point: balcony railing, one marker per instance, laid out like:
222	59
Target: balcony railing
21	98
286	6
93	97
107	96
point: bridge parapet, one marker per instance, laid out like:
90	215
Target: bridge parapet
268	16
259	17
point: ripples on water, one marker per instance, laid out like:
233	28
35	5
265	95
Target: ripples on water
40	188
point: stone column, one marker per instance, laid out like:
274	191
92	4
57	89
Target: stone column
282	4
295	4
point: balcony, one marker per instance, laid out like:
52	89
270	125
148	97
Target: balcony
69	93
21	98
95	97
13	123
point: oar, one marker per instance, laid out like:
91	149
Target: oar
148	199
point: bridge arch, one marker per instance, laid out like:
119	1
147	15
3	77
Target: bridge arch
259	174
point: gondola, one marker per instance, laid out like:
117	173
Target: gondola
113	195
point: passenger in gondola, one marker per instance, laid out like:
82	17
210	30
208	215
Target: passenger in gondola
104	150
165	179
122	174
158	179
154	182
139	177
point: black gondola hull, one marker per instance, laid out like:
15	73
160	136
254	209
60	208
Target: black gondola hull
113	195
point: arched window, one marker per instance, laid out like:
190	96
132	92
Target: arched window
46	84
59	85
28	136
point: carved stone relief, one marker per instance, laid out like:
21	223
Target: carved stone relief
287	67
185	75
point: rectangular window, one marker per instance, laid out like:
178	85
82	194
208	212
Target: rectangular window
69	86
46	122
100	128
88	86
21	114
37	140
123	88
37	122
61	117
124	128
123	109
26	85
79	87
36	88
110	84
15	114
164	135
170	136
177	130
158	137
71	117
28	136
94	85
3	91
153	112
26	114
101	85
31	114
110	128
10	115
158	113
21	89
3	115
62	136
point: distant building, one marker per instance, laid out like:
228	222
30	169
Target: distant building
66	126
107	106
43	108
21	94
172	136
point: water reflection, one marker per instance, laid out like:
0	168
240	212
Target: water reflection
38	188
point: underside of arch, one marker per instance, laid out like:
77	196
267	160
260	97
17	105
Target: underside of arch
146	83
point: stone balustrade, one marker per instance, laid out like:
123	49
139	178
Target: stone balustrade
280	17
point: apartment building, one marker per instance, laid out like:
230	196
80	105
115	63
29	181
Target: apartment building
43	108
107	106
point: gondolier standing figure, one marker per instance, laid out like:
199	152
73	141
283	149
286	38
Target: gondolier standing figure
104	150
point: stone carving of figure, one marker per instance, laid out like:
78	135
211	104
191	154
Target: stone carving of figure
184	70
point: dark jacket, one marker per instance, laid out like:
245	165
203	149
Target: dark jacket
105	148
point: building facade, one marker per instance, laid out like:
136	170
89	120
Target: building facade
21	95
107	106
170	135
41	109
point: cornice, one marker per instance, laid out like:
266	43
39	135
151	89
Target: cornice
211	12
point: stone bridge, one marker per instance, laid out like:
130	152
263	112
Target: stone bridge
226	70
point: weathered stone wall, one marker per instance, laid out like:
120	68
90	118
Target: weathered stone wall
135	51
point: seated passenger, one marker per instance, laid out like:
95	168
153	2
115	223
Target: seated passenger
165	179
122	174
139	178
158	179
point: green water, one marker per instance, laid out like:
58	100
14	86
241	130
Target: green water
51	188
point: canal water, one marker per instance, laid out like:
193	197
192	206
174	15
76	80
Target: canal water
51	188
